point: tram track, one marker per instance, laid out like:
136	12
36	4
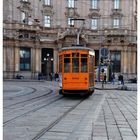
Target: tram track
28	93
28	96
46	129
37	97
34	110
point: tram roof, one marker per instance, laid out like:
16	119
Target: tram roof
76	48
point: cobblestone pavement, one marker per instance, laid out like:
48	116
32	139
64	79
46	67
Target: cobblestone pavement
106	115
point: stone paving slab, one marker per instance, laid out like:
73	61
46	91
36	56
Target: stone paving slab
106	115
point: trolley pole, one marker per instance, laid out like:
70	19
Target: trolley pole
79	29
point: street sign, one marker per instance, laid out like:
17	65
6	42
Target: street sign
104	52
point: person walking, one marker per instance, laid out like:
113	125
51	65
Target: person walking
122	81
105	78
119	79
56	76
113	78
51	76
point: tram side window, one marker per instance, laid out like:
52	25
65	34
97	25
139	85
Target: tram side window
66	65
91	69
83	64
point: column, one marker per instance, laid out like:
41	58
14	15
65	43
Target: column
129	60
4	58
55	62
33	62
17	61
38	60
124	63
133	64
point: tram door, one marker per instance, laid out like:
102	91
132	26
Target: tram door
47	61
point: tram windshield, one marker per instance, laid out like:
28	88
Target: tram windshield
75	62
75	65
66	65
83	64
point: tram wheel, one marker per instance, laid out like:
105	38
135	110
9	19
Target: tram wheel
90	93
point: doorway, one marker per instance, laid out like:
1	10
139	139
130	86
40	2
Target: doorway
47	61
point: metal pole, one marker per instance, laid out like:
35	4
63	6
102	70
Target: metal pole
79	29
78	36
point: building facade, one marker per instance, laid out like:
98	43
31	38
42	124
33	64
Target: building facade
35	30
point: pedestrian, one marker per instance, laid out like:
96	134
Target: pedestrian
56	76
51	76
105	78
119	79
56	79
122	81
39	76
113	78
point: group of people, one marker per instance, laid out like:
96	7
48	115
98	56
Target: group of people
120	79
55	76
51	76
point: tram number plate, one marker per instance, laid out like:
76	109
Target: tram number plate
75	78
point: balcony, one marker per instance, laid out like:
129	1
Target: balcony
116	32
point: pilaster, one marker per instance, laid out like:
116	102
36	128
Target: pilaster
55	62
17	61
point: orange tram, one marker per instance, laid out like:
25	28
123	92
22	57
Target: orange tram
76	69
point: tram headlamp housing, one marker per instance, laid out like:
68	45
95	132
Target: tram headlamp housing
91	53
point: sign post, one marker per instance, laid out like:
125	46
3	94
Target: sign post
102	77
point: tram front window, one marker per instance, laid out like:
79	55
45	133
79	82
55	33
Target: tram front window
75	65
66	65
83	64
75	62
